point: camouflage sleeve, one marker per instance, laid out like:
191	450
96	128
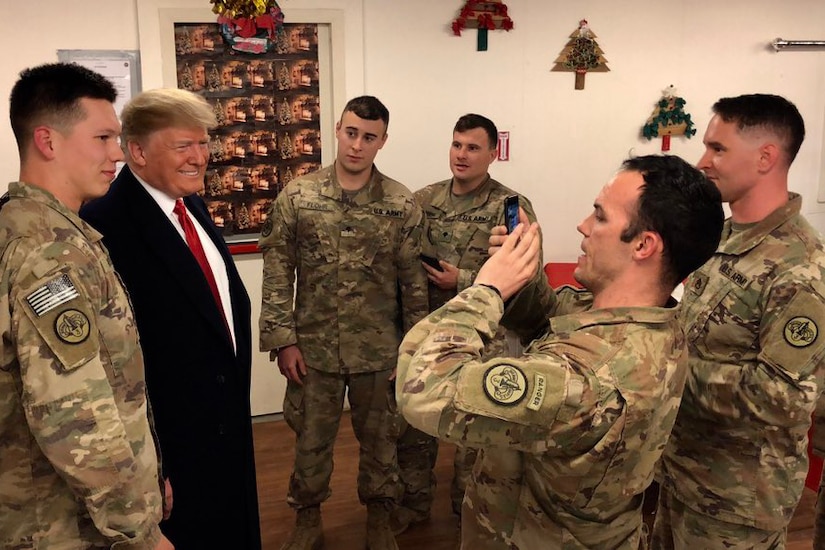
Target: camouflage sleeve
527	312
70	404
412	278
785	384
278	243
538	403
780	388
465	278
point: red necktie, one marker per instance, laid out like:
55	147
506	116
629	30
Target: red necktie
196	247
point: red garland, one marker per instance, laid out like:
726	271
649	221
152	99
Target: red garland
485	20
458	26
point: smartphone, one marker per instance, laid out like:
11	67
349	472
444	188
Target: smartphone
430	261
511	212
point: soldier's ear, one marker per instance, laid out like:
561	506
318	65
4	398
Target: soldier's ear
648	244
42	140
769	155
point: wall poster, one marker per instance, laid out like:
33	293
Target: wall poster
268	110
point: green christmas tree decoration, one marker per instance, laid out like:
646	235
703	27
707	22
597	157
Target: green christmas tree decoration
214	188
284	113
220	116
213	79
282	45
669	119
183	44
581	55
287	150
243	218
186	80
284	78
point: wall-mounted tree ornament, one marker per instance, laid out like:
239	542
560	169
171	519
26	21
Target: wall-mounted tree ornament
669	119
581	55
484	16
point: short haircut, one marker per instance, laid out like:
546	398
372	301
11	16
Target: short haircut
773	113
368	108
163	108
679	203
50	95
471	121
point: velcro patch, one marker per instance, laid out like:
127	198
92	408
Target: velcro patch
319	206
266	230
539	390
505	384
801	332
72	326
54	293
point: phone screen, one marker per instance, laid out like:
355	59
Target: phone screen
511	212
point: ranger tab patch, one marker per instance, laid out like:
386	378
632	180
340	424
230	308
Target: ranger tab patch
54	293
801	332
505	384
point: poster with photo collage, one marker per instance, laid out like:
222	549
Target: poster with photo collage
268	111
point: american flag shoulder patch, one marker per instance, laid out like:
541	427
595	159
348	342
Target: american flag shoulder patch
57	291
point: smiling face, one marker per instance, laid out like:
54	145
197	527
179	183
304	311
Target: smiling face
359	141
606	256
172	160
470	157
87	152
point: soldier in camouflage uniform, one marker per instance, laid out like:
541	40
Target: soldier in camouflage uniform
568	433
78	464
735	465
459	214
346	239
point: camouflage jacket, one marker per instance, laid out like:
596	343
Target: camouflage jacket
752	315
353	267
569	433
78	466
461	237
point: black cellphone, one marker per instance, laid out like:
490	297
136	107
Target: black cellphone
430	261
511	212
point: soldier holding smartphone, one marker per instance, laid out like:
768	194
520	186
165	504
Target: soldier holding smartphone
459	213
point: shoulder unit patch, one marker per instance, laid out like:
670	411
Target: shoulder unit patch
72	326
801	332
505	384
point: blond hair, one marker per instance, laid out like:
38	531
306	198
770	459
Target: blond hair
163	108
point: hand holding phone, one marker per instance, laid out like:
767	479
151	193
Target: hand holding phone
511	213
432	262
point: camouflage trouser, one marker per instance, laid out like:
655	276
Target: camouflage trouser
677	527
819	520
417	453
465	457
313	411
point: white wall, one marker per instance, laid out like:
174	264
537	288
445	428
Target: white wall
564	143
